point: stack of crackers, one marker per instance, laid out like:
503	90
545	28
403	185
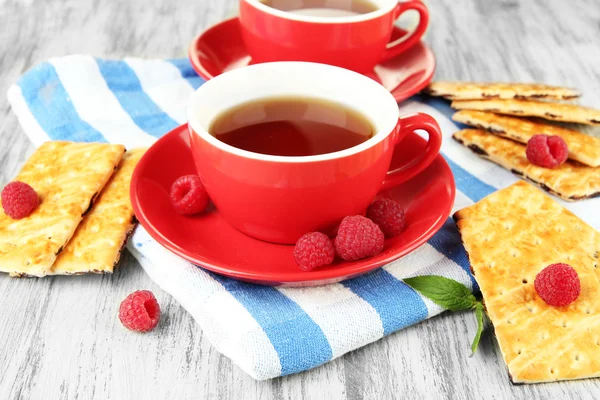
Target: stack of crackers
84	217
514	233
507	115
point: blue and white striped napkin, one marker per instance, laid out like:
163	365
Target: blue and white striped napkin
266	331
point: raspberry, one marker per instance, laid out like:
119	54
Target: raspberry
140	311
358	237
388	215
547	151
188	195
19	200
558	285
313	250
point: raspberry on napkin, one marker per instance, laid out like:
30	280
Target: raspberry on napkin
513	235
66	176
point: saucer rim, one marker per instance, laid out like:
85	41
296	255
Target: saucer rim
300	278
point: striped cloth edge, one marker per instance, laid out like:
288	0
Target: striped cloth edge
266	331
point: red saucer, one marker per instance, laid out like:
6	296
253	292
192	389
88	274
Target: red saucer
209	241
220	49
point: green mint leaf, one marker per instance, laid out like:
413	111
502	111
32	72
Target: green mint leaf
444	292
479	316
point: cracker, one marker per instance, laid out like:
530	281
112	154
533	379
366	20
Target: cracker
67	176
551	111
571	180
583	148
510	236
98	241
497	90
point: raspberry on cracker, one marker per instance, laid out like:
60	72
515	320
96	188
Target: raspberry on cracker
388	214
558	285
358	237
583	148
313	250
571	181
19	200
547	151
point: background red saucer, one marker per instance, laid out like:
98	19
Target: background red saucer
211	242
221	48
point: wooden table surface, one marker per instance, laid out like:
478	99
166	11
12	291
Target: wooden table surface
60	336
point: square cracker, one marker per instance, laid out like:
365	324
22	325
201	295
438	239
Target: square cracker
98	241
551	111
583	148
67	176
510	236
571	180
497	90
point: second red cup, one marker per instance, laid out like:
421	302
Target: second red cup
331	33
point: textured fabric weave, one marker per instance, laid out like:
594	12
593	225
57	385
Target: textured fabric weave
266	331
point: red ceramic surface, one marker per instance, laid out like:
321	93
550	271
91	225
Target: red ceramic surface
211	242
278	199
221	49
356	42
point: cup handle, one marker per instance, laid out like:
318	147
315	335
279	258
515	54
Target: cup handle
408	124
402	44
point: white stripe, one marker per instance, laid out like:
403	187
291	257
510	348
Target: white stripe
30	125
451	148
228	325
163	83
95	102
461	201
347	321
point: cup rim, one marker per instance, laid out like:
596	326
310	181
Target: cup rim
196	127
323	20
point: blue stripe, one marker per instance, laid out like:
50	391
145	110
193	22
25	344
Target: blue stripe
469	184
187	72
298	340
125	85
448	242
52	108
397	304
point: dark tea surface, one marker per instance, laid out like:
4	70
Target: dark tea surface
291	126
323	8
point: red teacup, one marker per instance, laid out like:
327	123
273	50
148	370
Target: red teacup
357	42
279	198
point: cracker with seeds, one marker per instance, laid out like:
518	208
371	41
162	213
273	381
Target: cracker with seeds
98	241
529	108
497	90
510	236
571	180
583	148
67	176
